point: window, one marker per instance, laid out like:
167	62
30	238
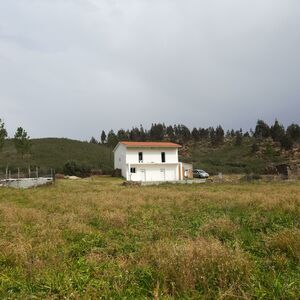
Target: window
163	157
140	156
132	170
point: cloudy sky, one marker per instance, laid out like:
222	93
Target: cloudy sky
71	68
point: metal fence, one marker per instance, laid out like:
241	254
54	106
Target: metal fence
26	178
19	173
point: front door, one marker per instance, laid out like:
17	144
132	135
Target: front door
163	174
143	175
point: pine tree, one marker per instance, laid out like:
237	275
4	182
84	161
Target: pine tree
294	132
157	132
3	134
122	135
103	137
262	130
22	142
112	139
277	131
93	141
196	134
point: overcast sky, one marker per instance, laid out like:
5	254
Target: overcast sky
70	68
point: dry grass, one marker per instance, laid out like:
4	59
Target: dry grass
201	264
286	242
94	238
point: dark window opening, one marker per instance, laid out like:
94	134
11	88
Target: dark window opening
132	170
163	157
140	156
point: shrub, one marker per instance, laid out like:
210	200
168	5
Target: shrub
286	142
73	168
254	148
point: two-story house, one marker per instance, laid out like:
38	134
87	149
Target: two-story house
149	161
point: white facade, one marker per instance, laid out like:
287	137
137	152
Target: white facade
141	162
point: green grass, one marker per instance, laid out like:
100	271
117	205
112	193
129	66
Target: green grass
96	239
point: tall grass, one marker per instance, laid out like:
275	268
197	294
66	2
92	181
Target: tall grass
94	238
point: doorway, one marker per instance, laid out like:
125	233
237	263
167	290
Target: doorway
143	175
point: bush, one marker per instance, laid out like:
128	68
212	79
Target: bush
254	148
286	142
73	168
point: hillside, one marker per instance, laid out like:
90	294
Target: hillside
230	158
55	152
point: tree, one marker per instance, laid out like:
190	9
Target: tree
262	129
239	138
157	132
294	132
122	135
170	133
218	136
135	134
277	131
286	142
22	141
196	134
204	133
93	140
103	137
3	134
112	139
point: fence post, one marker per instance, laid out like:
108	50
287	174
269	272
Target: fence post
37	172
18	173
29	172
6	173
9	174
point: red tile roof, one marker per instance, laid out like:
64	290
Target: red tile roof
151	144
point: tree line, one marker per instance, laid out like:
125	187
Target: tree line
180	133
21	139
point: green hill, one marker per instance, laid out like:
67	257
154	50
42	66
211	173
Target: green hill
53	153
229	158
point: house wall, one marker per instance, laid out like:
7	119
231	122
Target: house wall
120	159
151	155
152	168
154	172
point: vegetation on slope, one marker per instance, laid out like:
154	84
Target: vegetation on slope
55	153
227	158
230	158
96	239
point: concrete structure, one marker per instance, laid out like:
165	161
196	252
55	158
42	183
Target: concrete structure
150	161
26	183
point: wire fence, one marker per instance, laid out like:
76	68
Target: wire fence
22	173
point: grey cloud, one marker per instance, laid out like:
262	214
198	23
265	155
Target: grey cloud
73	68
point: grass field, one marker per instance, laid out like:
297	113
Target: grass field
94	238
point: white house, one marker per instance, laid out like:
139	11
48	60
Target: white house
149	161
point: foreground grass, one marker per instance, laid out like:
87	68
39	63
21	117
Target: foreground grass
97	239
